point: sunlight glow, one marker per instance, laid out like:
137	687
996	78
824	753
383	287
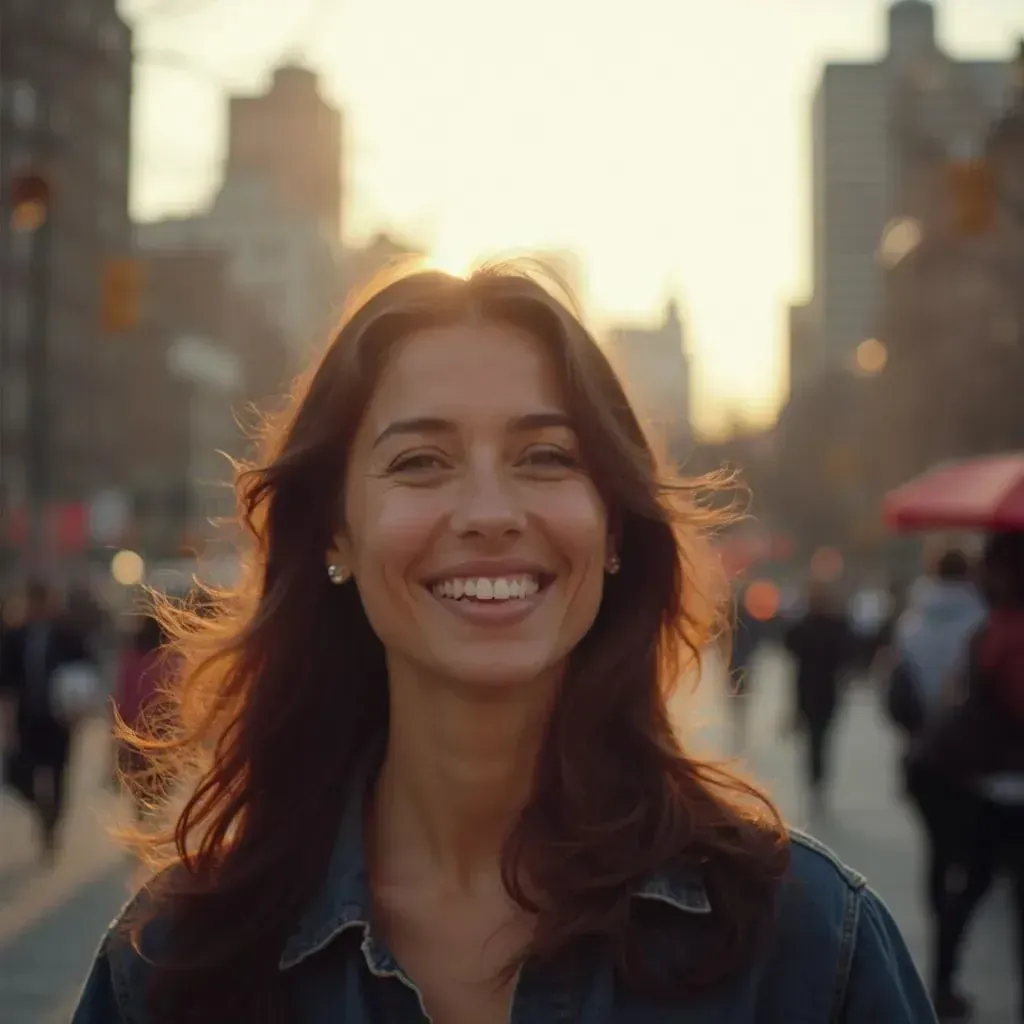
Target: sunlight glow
450	260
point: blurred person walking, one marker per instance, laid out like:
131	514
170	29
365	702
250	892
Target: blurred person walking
38	732
970	760
822	645
930	644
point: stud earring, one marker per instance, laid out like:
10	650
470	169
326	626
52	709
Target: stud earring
613	565
338	574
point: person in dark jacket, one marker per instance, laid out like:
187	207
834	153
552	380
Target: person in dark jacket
977	753
821	644
39	742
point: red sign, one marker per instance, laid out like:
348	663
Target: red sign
66	527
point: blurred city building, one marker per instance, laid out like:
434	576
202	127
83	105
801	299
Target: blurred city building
878	128
209	357
292	138
655	370
277	213
932	369
65	106
953	311
803	346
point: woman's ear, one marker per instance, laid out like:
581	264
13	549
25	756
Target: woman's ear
339	553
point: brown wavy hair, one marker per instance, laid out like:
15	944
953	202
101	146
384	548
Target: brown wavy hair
284	687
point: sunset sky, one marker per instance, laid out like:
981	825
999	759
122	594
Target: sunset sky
664	141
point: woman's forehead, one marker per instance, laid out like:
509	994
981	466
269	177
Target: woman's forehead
466	369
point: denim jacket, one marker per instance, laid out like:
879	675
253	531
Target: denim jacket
836	957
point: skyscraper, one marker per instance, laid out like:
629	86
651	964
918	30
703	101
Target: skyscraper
65	87
278	210
292	137
877	125
655	371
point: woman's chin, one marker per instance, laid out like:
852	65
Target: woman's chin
499	668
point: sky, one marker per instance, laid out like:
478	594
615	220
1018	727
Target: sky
665	142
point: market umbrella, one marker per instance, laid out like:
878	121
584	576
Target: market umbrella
984	493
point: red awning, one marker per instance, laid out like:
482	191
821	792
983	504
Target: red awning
986	493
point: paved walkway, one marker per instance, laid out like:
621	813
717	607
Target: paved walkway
50	921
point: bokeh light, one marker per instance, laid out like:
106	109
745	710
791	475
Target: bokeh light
872	356
28	216
127	568
762	601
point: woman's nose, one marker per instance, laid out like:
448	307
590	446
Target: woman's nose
488	504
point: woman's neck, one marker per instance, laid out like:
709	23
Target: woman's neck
457	772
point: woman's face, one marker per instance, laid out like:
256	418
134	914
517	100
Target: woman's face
476	539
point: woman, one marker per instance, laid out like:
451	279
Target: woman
444	784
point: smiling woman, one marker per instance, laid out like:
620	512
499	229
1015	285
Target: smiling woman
442	782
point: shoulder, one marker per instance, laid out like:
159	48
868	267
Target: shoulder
837	944
819	898
134	942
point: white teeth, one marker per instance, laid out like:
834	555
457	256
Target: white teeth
483	588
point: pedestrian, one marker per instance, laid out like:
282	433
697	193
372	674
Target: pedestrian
929	646
969	763
821	644
443	782
39	733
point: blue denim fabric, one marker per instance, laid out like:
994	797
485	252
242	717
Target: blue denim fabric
836	957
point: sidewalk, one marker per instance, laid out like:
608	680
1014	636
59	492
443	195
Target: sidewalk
51	920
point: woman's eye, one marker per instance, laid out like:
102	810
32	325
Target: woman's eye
421	462
551	458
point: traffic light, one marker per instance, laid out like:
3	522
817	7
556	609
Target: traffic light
122	288
974	196
30	201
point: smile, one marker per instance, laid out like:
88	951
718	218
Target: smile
487	588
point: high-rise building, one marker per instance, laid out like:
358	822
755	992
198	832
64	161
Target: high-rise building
292	138
802	346
879	128
65	106
277	212
653	366
281	259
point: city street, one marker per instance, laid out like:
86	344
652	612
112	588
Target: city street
51	921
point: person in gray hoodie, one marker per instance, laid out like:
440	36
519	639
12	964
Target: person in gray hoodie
931	644
931	637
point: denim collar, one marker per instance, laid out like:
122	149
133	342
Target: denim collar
344	900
